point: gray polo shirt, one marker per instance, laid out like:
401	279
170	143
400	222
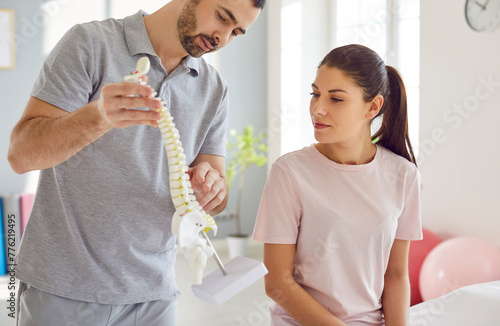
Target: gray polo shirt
100	228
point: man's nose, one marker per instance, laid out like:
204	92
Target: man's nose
222	38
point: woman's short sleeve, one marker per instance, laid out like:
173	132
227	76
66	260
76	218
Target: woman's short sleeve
409	223
280	210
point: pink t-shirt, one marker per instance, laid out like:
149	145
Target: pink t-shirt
343	220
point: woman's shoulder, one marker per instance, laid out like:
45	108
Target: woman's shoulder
395	162
295	157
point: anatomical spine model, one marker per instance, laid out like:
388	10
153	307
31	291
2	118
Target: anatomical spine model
189	220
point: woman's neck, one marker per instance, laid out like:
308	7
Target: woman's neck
348	153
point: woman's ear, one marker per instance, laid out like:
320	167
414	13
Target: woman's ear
375	106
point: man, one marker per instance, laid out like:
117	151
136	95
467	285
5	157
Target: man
98	249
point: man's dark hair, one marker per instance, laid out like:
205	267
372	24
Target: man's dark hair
259	3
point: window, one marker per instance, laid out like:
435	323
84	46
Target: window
307	30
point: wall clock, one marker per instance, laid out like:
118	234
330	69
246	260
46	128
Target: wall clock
482	15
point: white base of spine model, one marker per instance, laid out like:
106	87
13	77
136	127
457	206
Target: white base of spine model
189	221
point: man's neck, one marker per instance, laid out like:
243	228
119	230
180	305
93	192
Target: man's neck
162	31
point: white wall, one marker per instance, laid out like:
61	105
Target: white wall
459	132
244	67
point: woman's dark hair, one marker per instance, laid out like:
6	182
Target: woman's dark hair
370	73
259	3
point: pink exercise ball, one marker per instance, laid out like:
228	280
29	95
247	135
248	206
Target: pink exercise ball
458	262
418	251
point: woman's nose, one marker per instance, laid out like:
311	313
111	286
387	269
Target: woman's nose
318	107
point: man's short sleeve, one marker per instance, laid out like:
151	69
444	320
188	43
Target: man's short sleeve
65	78
278	218
216	140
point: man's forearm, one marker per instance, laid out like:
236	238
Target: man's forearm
43	142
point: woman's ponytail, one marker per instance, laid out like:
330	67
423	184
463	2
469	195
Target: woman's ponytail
370	73
393	134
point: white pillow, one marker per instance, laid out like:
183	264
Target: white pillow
473	305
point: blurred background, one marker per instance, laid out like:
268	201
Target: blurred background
451	71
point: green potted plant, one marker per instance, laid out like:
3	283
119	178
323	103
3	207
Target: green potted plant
246	150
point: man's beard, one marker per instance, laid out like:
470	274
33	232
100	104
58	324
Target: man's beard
186	26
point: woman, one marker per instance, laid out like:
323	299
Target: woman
337	217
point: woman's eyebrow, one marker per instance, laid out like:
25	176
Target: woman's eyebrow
332	90
337	90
